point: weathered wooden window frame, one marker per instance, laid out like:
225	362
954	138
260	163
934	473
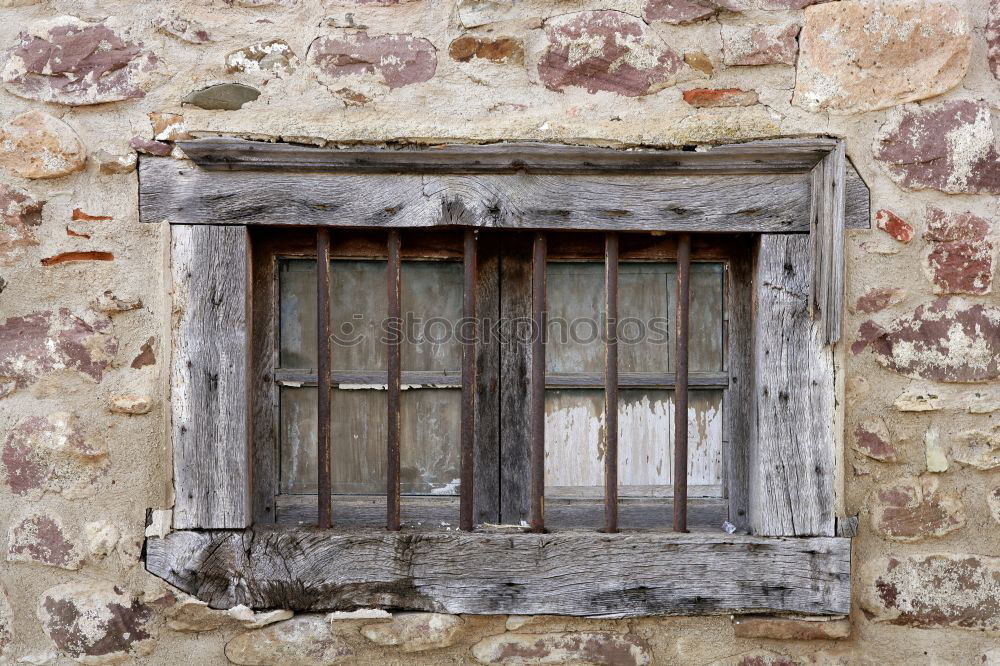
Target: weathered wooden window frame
796	195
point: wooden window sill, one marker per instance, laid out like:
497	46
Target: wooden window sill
507	571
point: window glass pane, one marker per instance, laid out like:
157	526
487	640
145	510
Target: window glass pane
429	441
574	443
646	294
575	301
297	313
706	317
431	304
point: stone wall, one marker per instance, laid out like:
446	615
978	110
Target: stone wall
85	314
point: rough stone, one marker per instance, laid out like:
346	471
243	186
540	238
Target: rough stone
933	591
110	303
305	640
146	355
947	340
79	215
415	632
759	44
69	61
684	11
789	629
700	62
982	402
248	619
993	502
160	522
42	342
38	145
222	97
757	658
20	213
949	146
894	225
788	4
6	625
934	453
861	56
719	97
877	299
872	439
42	538
914	509
917	401
96	622
492	49
960	260
183	29
606	51
150	147
101	538
590	648
868	332
77	255
190	615
474	13
978	449
111	164
50	454
395	60
993	37
130	404
270	58
168	126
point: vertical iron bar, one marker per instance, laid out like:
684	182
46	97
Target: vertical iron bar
393	385
681	386
538	316
468	330
611	385
323	376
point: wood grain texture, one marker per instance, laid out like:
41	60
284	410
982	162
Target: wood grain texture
563	573
515	364
263	391
741	429
488	393
857	200
181	193
772	156
792	466
826	223
210	377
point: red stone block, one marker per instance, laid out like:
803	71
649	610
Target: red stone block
894	225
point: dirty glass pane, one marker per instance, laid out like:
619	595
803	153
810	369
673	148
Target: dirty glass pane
431	295
574	443
429	442
646	294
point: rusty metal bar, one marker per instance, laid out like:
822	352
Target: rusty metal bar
611	384
468	330
681	389
323	375
538	255
394	343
